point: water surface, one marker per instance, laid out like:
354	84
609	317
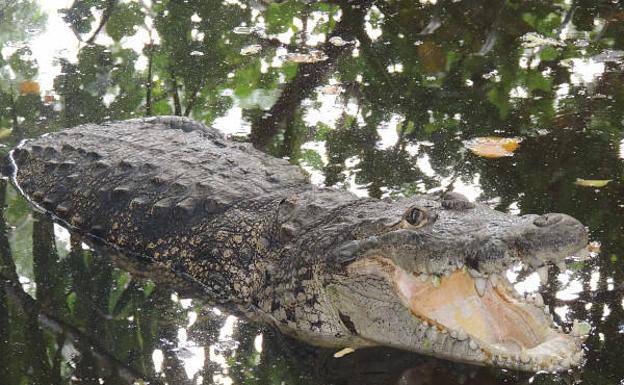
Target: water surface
378	97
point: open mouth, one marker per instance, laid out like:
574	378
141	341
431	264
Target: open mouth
485	315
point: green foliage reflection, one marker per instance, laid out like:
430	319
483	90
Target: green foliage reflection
384	113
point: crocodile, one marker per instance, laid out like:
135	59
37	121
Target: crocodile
425	273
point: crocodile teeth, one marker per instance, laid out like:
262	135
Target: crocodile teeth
435	281
580	328
493	280
432	334
480	284
524	357
423	277
538	300
474	273
461	335
543	274
473	345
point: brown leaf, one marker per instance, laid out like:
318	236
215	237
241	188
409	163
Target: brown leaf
29	87
493	146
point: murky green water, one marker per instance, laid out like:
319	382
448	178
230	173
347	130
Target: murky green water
382	108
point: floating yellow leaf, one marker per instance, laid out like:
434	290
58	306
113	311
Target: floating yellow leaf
493	146
343	352
29	87
597	183
5	132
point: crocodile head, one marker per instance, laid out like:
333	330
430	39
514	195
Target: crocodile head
428	275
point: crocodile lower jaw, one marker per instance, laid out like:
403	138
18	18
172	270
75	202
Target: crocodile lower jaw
486	318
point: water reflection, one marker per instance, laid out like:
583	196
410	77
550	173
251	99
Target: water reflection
374	96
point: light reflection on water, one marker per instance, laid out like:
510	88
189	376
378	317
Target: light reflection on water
557	102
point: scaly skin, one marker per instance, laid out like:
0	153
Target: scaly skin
320	264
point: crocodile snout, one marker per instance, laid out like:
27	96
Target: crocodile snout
552	237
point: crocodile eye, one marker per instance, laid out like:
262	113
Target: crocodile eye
414	218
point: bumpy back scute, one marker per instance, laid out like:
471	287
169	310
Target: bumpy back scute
149	174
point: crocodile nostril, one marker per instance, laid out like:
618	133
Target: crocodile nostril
547	220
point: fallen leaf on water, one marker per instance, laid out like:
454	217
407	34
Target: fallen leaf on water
493	146
243	30
310	57
338	41
432	57
597	183
29	87
331	89
594	247
343	352
5	132
251	49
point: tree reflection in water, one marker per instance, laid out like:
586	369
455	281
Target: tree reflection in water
383	111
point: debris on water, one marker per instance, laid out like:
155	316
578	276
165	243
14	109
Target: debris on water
313	56
251	49
338	41
493	146
5	132
596	183
29	87
534	39
243	30
343	352
433	57
331	89
594	247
